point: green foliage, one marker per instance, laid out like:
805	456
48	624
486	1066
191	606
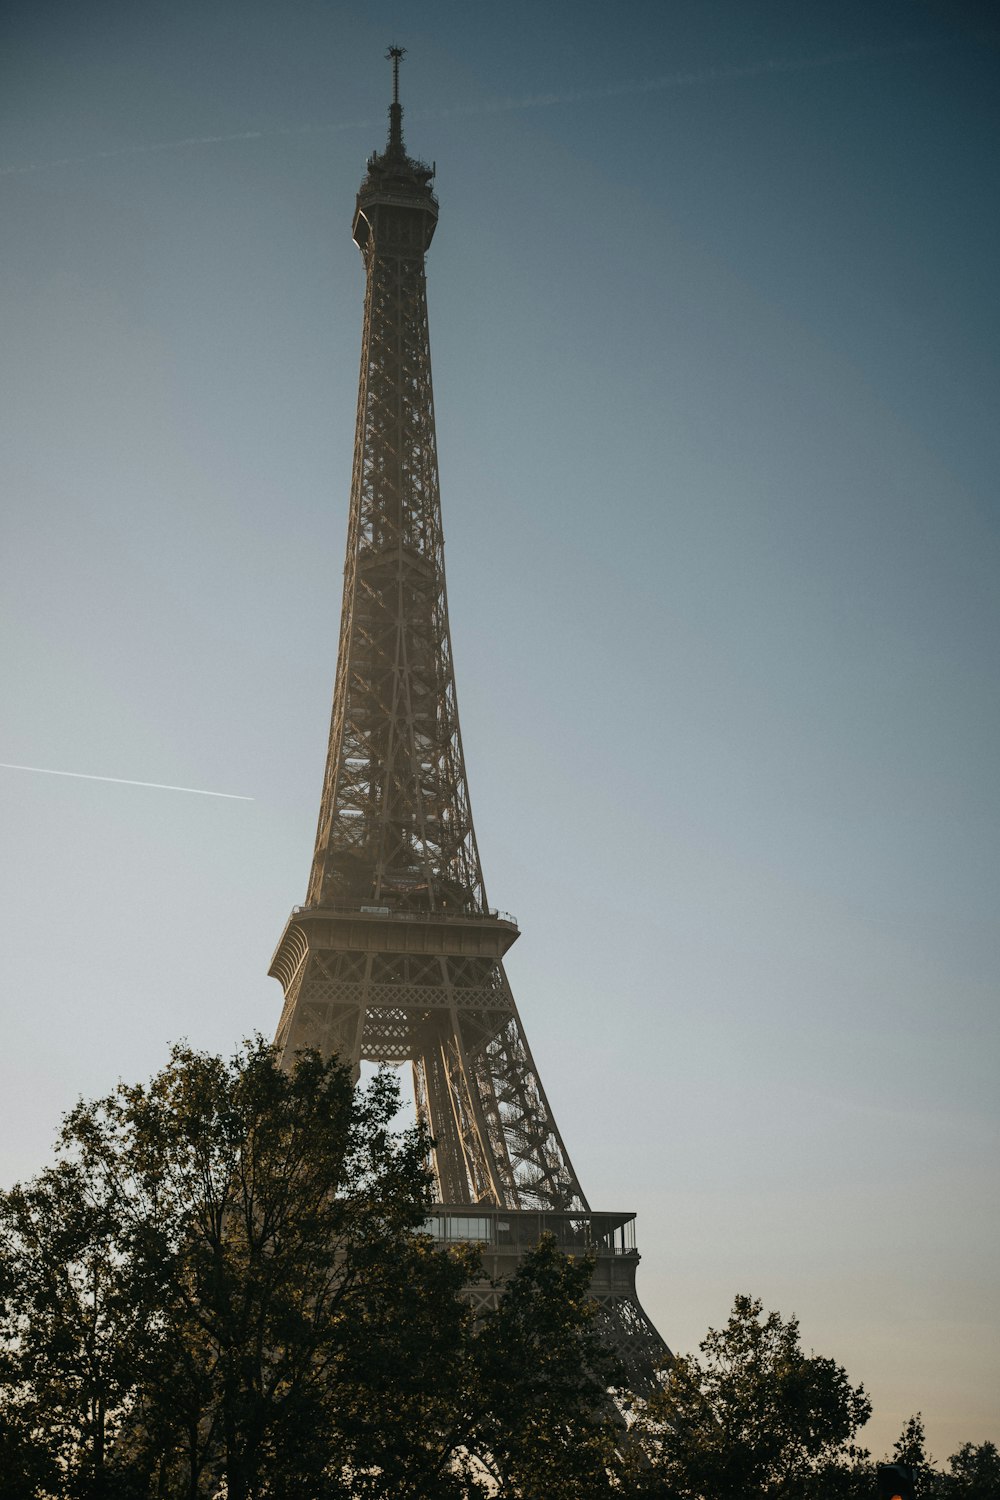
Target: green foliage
754	1416
222	1287
546	1428
251	1206
909	1448
974	1472
210	1283
72	1330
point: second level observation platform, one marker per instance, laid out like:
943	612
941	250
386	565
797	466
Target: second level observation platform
578	1232
504	1236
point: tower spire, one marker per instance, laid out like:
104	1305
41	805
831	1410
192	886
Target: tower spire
394	146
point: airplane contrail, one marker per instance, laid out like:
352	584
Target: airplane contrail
721	74
191	140
123	781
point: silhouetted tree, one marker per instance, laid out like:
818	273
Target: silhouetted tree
223	1286
73	1332
546	1428
754	1416
911	1448
207	1282
974	1473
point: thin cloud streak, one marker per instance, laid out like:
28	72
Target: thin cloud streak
158	786
725	73
181	145
770	67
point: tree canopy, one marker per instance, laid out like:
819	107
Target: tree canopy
753	1416
223	1280
223	1287
973	1472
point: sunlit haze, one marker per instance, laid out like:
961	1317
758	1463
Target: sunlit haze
714	317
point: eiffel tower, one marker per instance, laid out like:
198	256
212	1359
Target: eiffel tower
396	955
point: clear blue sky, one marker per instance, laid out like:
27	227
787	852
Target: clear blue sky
714	318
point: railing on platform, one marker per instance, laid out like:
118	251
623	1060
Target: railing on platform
372	909
520	1229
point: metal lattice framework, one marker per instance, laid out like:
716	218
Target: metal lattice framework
396	956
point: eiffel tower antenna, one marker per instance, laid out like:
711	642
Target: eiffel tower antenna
396	955
395	55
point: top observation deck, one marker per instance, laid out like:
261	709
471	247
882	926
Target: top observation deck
393	179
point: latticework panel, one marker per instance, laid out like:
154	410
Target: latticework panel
395	821
625	1328
455	1019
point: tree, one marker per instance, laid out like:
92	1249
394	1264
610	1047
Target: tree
975	1472
753	1416
222	1286
910	1448
546	1428
71	1329
193	1290
405	1399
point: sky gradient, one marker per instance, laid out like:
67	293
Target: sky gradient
714	320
